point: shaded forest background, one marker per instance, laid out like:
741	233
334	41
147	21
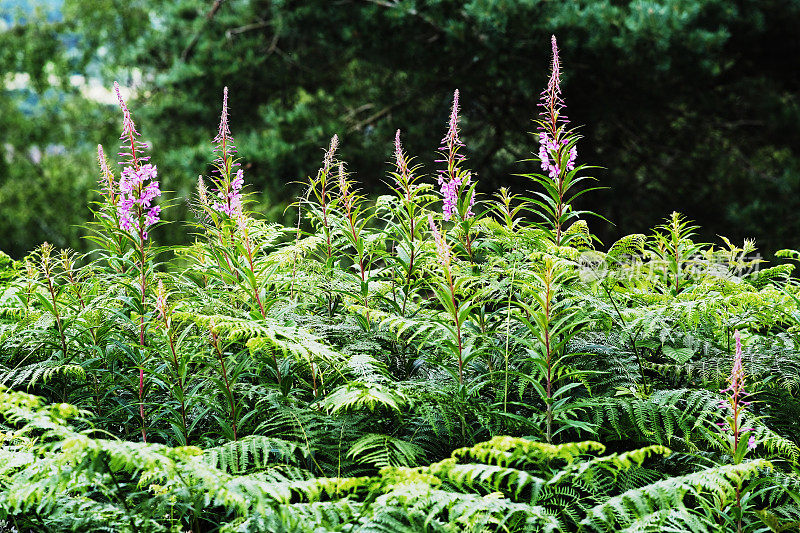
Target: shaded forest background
688	105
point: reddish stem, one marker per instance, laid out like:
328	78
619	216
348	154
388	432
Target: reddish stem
215	338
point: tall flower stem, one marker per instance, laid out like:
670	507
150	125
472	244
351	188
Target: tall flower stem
406	223
109	210
226	196
68	267
547	298
457	322
241	223
248	248
351	208
508	335
633	338
321	188
557	151
143	295
448	296
405	189
228	391
736	406
135	214
163	311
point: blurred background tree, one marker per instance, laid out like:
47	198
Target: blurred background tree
690	105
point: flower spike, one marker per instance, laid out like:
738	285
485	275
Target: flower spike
224	140
131	148
451	178
137	186
551	135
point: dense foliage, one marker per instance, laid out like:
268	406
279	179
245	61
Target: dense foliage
479	364
686	103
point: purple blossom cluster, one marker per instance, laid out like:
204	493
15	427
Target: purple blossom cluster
452	178
549	154
137	186
231	202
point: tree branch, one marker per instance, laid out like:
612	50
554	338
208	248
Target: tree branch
210	15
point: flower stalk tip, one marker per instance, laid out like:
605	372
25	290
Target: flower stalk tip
330	154
224	140
128	127
399	156
202	191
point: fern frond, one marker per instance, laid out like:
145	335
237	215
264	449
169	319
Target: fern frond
716	485
254	452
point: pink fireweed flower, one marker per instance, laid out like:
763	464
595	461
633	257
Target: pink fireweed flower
449	197
228	193
137	185
231	202
550	154
442	249
136	198
452	178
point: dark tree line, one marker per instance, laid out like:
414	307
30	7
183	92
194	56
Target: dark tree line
688	105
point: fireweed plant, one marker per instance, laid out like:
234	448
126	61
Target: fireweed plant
123	221
457	186
735	437
355	218
406	226
560	179
230	233
319	204
421	361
